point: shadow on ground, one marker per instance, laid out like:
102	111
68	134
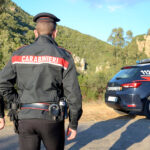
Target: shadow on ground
11	143
134	133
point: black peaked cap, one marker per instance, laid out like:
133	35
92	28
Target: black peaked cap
45	17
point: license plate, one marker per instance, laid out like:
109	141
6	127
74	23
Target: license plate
112	99
114	88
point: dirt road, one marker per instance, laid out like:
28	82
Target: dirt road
119	133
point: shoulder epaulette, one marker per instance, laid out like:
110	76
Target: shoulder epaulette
65	50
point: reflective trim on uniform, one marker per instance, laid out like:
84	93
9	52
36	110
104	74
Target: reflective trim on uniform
40	60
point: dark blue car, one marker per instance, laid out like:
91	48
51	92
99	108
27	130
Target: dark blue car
129	90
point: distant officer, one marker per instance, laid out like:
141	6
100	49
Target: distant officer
44	74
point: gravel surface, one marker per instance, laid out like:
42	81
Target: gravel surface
121	133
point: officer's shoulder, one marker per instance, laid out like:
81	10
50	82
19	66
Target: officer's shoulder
68	53
19	49
23	46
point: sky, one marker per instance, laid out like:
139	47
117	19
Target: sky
95	17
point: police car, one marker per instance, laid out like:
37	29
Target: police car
129	90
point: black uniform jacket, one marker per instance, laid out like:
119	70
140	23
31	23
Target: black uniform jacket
43	72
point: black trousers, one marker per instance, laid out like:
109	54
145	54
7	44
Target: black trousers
33	131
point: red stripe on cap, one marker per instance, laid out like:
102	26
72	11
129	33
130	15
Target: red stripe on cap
43	20
44	17
27	59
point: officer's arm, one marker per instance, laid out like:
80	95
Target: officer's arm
7	81
73	94
2	121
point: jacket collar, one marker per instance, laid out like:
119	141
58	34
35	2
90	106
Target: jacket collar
46	38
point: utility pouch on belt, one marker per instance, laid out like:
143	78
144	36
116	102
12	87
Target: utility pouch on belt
59	110
13	114
54	111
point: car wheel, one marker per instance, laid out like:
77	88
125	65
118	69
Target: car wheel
147	109
132	114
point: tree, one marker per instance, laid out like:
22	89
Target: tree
129	36
116	38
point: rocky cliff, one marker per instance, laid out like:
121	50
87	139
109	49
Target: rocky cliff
144	44
80	63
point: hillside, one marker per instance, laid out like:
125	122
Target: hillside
85	46
16	30
102	59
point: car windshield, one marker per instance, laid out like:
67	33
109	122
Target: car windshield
126	73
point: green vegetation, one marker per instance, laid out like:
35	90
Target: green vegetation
15	30
116	37
103	60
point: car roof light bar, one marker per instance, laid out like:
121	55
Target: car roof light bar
143	61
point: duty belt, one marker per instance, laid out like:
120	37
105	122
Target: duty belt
38	106
53	109
57	110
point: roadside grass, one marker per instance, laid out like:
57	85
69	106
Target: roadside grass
97	111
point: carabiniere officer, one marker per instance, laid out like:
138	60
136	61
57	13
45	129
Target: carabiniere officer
44	74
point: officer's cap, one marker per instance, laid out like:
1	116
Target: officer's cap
42	17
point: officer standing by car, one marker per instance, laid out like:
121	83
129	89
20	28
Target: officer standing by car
44	73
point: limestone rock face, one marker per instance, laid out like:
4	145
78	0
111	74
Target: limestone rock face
80	63
12	8
98	69
144	45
